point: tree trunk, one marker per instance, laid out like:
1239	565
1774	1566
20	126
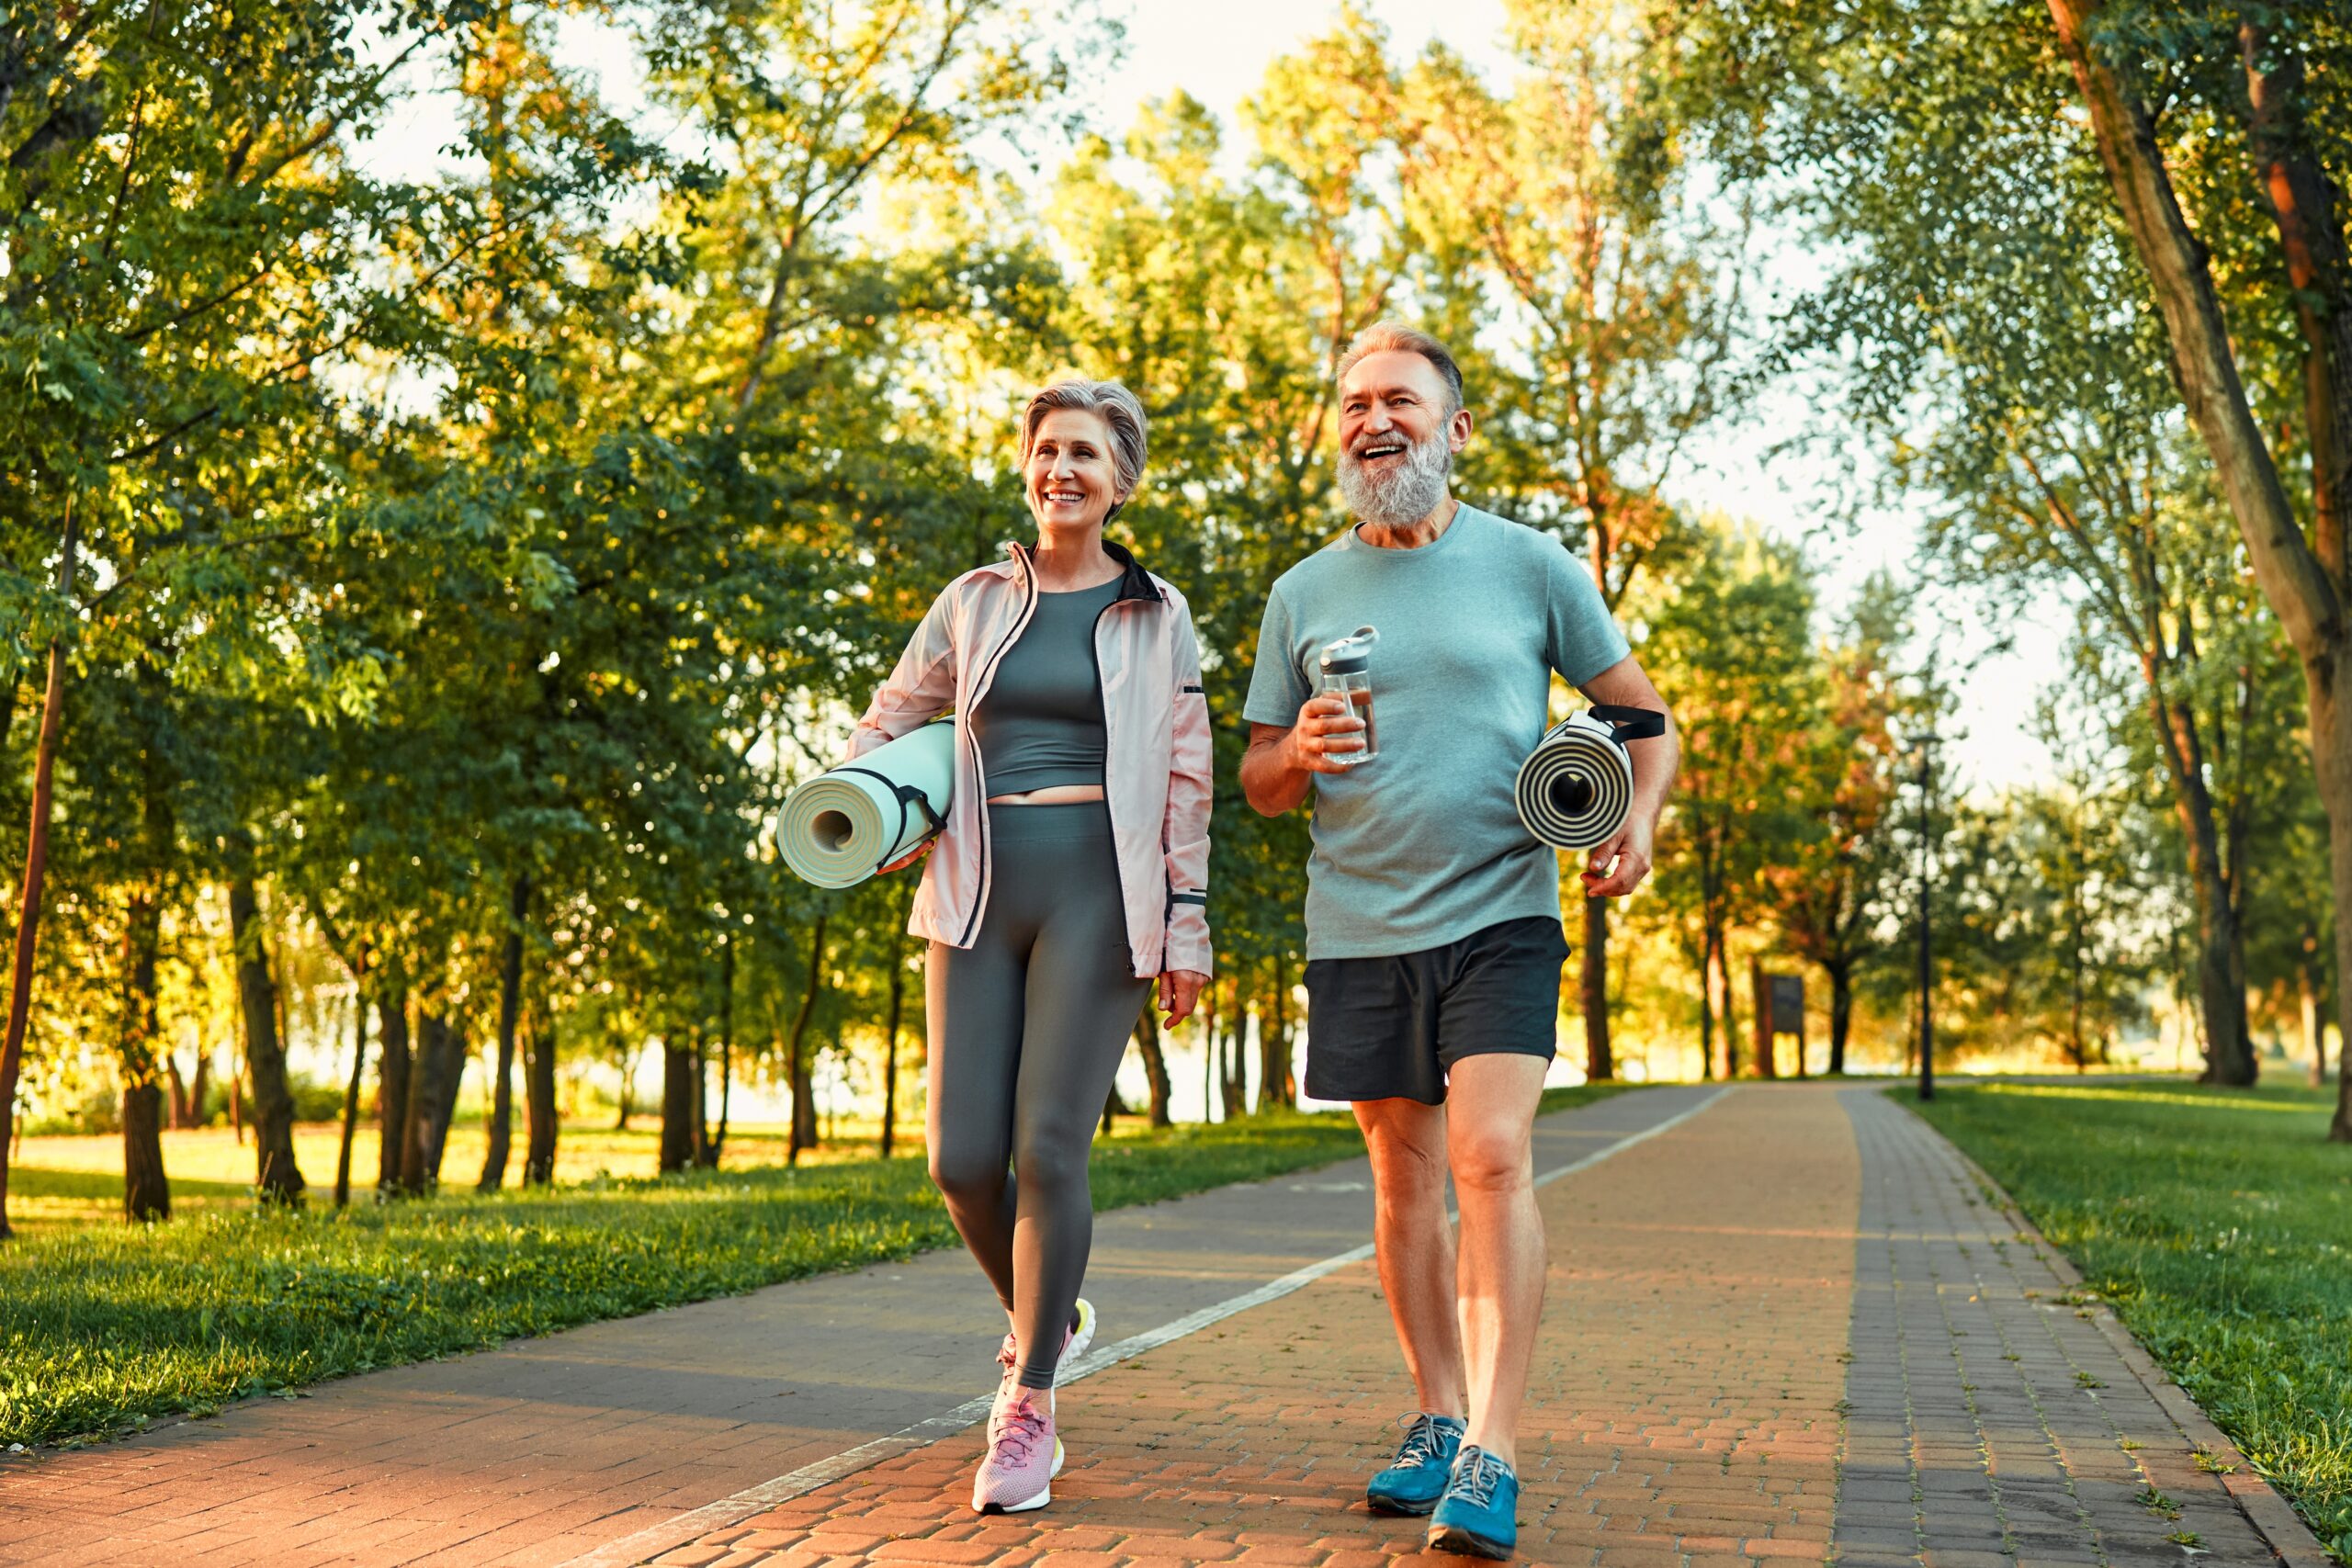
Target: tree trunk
2307	994
1155	1063
277	1179
1724	1001
1275	1083
1714	1006
1599	1064
2221	938
146	1193
2220	988
804	1105
20	983
2074	987
2335	754
1760	998
510	1005
677	1117
1842	1014
1706	1007
698	1118
178	1111
716	1143
726	1090
1209	1049
804	1113
890	1047
445	1047
1236	1070
538	1104
392	1072
426	1067
351	1095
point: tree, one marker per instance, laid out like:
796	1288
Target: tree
1734	643
1835	888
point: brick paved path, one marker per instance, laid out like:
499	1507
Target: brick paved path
1780	1329
1992	1409
1686	1407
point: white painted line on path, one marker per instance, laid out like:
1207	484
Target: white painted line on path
680	1529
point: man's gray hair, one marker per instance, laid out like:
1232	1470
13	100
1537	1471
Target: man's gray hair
1120	408
1392	337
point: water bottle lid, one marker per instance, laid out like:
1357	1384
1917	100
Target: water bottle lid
1350	655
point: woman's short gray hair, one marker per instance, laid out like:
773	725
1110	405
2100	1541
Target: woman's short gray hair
1120	408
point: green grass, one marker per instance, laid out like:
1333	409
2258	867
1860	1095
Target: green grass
2218	1223
102	1329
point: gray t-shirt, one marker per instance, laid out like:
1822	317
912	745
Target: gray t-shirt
1041	724
1423	845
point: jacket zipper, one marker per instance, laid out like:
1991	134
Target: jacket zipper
1103	700
1028	608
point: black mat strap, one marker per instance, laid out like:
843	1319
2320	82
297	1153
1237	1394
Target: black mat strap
1631	723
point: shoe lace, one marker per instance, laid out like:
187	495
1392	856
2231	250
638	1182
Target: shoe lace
1424	1439
1015	1430
1476	1473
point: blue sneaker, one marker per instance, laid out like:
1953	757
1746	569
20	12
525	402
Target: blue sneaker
1413	1485
1478	1515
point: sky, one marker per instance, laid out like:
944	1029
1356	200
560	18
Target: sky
1218	50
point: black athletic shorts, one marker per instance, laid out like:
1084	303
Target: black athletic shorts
1388	1028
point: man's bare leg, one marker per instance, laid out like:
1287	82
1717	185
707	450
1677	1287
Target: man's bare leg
1490	1120
1414	1242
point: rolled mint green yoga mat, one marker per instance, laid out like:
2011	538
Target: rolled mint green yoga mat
842	827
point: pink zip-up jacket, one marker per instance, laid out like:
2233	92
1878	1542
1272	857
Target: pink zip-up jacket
1157	764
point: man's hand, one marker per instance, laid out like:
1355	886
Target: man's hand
1630	851
1328	730
1279	769
1178	989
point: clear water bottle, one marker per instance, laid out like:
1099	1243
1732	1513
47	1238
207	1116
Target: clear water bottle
1346	672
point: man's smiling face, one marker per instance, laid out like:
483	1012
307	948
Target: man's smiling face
1389	401
1399	432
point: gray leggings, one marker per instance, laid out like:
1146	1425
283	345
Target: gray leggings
1027	1026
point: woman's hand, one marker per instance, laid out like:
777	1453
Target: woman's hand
910	857
1178	989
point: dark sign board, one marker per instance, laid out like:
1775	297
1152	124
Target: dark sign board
1788	1004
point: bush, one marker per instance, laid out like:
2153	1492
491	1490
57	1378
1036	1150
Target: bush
98	1111
315	1100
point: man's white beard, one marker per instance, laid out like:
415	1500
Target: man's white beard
1404	495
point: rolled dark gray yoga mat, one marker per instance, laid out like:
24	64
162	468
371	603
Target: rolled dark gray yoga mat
842	827
1577	786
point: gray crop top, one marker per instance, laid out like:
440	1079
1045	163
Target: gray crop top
1041	724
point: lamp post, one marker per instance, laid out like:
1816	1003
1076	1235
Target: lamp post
1924	743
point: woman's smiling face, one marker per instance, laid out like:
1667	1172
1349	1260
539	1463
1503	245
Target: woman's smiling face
1069	478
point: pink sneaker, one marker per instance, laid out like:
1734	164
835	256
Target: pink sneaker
1074	1344
1024	1455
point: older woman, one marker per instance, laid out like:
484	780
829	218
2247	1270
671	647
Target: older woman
1072	870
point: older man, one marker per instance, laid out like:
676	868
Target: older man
1433	935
